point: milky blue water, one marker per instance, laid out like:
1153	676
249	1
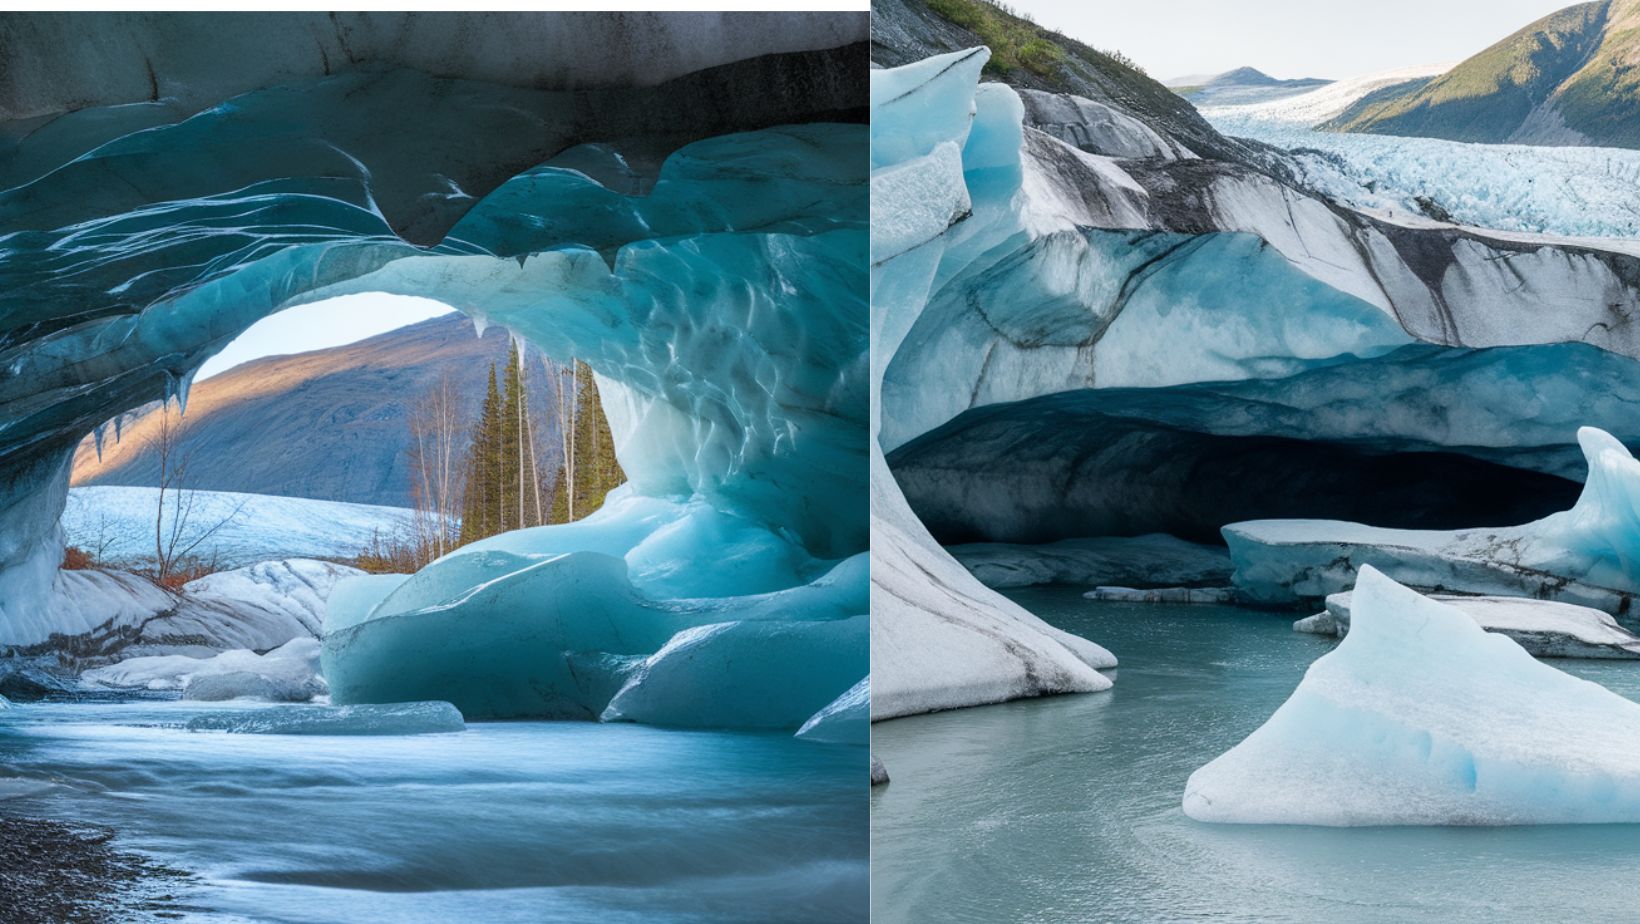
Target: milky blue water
1067	808
522	821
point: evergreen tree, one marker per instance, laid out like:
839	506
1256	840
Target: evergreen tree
481	503
595	470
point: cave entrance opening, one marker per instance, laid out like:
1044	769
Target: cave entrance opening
372	430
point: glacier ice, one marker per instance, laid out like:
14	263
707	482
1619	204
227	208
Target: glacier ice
214	688
1078	315
1585	555
1545	628
751	674
111	614
845	720
1138	561
692	226
289	672
1421	717
1490	186
423	718
939	638
1204	595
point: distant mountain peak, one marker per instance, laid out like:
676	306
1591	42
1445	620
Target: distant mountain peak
1245	76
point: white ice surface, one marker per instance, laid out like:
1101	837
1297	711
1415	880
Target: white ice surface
1421	717
1575	192
292	666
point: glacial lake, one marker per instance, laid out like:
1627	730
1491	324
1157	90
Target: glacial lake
1066	808
506	821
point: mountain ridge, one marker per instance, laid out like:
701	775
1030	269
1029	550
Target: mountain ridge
1569	78
330	424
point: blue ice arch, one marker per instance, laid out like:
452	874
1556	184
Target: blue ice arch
692	224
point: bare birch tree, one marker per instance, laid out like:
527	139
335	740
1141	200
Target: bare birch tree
175	537
438	435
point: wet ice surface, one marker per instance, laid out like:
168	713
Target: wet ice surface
1068	808
516	821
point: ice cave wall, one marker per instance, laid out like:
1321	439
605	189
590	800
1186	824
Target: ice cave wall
696	235
1200	299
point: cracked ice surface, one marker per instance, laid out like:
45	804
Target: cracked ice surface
1420	716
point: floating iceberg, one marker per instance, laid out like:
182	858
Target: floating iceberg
847	720
1545	628
289	673
1588	555
1163	595
392	719
1421	717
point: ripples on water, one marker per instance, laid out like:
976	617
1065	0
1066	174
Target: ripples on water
1067	808
521	821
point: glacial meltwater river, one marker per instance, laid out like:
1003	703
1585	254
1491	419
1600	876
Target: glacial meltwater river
1066	809
506	821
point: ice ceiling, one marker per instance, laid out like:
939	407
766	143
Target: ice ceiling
689	218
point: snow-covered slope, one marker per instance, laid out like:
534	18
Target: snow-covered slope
1420	716
232	529
98	615
1314	106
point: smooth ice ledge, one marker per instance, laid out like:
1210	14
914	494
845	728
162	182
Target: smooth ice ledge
750	674
1545	628
392	719
289	673
1421	717
1588	555
1135	561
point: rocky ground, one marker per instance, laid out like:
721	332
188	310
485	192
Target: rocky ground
55	872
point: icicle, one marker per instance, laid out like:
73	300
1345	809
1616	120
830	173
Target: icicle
521	258
520	345
117	422
97	437
170	389
480	325
182	392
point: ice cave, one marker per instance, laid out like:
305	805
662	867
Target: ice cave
1102	322
689	217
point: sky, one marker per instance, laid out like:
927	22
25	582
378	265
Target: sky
332	322
1287	38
